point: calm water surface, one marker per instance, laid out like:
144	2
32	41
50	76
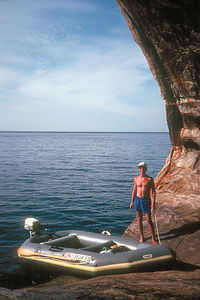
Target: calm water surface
70	181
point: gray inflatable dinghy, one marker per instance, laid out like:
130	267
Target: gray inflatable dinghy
90	254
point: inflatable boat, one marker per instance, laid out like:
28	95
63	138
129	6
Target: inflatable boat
89	254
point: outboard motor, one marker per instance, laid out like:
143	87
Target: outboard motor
33	226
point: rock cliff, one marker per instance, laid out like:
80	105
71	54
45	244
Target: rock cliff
168	33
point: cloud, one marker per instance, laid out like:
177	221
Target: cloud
102	78
53	63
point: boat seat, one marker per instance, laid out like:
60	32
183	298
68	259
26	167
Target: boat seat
98	247
63	241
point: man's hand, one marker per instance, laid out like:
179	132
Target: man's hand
131	205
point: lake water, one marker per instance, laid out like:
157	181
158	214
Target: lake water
70	181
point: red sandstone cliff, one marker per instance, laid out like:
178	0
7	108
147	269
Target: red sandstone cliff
168	33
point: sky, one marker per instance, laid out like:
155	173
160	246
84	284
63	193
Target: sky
72	65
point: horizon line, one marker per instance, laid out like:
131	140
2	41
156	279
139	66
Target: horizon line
77	131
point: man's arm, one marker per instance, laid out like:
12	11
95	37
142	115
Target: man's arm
134	193
153	205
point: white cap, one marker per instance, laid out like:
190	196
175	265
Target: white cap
142	164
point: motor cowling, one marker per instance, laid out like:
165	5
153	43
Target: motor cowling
32	225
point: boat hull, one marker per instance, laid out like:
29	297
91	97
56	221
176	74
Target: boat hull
89	254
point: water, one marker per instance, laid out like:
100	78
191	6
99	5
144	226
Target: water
70	181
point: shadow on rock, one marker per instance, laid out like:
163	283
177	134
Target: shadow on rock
182	266
182	230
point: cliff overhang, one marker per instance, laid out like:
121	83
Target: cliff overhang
168	33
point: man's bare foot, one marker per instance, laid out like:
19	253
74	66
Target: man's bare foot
141	240
154	242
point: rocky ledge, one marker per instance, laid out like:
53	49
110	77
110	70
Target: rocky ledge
178	227
158	285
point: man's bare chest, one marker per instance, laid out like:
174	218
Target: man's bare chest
143	182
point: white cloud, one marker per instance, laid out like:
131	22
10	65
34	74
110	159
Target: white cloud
102	80
48	68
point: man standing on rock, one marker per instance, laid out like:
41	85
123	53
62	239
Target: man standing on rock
141	201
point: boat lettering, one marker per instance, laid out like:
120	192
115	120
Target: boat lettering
76	256
146	256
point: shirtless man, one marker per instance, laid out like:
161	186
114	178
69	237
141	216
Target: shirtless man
141	202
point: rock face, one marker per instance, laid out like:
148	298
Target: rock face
168	33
